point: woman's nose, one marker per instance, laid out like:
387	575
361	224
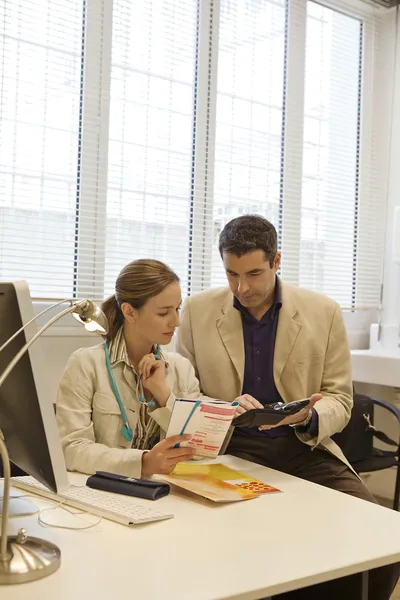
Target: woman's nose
176	322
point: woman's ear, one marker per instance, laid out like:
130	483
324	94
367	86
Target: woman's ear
130	313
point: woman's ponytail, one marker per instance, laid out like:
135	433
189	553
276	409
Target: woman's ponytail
114	316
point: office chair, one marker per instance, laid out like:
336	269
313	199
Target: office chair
357	441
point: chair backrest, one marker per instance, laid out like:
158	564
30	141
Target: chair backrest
356	439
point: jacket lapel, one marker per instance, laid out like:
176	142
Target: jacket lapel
229	326
289	326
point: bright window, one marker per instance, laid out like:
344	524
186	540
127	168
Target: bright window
138	129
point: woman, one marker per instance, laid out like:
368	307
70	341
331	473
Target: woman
115	399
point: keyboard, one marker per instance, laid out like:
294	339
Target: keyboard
114	507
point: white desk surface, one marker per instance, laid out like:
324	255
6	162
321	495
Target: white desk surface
242	551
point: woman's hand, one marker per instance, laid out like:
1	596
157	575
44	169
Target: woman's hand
164	457
153	374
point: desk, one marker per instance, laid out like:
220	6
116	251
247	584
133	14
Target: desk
380	368
239	551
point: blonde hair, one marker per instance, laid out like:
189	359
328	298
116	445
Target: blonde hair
139	281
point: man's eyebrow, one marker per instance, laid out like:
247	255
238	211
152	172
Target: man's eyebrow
257	270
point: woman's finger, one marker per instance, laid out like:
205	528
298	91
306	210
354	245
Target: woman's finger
145	366
148	368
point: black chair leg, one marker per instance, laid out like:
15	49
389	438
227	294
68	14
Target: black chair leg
397	490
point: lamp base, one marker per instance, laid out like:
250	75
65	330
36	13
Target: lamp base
29	559
19	507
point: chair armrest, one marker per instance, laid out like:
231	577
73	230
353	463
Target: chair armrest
393	409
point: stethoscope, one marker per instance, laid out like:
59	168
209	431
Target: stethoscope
126	428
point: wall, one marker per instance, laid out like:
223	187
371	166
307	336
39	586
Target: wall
391	275
57	345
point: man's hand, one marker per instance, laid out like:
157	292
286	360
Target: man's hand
246	402
164	457
296	418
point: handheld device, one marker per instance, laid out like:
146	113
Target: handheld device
270	415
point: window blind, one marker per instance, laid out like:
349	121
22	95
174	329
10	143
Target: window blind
291	143
249	119
40	75
333	251
150	153
139	129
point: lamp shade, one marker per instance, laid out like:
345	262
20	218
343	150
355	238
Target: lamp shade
91	316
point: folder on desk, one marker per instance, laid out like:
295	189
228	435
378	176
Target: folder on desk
217	482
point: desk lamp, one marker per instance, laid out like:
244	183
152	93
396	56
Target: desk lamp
24	558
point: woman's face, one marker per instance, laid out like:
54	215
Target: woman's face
157	320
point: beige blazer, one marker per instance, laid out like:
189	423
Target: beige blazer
89	418
311	354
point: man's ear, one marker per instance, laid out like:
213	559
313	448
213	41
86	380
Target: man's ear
277	261
130	313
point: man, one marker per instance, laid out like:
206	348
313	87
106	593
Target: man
262	341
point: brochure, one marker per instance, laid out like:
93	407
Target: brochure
217	482
206	420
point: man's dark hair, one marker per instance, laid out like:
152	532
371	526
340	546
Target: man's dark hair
248	233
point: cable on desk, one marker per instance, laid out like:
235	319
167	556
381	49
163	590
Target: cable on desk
59	504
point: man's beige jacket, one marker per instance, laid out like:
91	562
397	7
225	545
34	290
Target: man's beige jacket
311	354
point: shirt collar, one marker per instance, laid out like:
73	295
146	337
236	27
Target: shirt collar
119	353
276	305
118	350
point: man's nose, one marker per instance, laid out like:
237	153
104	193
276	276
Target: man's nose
243	286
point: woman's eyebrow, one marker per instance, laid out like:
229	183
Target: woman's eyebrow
165	307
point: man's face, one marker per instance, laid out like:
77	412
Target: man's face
250	277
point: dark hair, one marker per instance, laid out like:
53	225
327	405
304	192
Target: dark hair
139	281
248	233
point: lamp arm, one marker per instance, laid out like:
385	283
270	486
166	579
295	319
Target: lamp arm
33	339
6	498
32	320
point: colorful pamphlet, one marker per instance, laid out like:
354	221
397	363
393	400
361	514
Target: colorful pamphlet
217	482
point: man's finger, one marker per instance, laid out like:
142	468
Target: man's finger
253	401
246	404
314	399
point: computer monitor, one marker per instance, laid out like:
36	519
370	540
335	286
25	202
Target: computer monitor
27	417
